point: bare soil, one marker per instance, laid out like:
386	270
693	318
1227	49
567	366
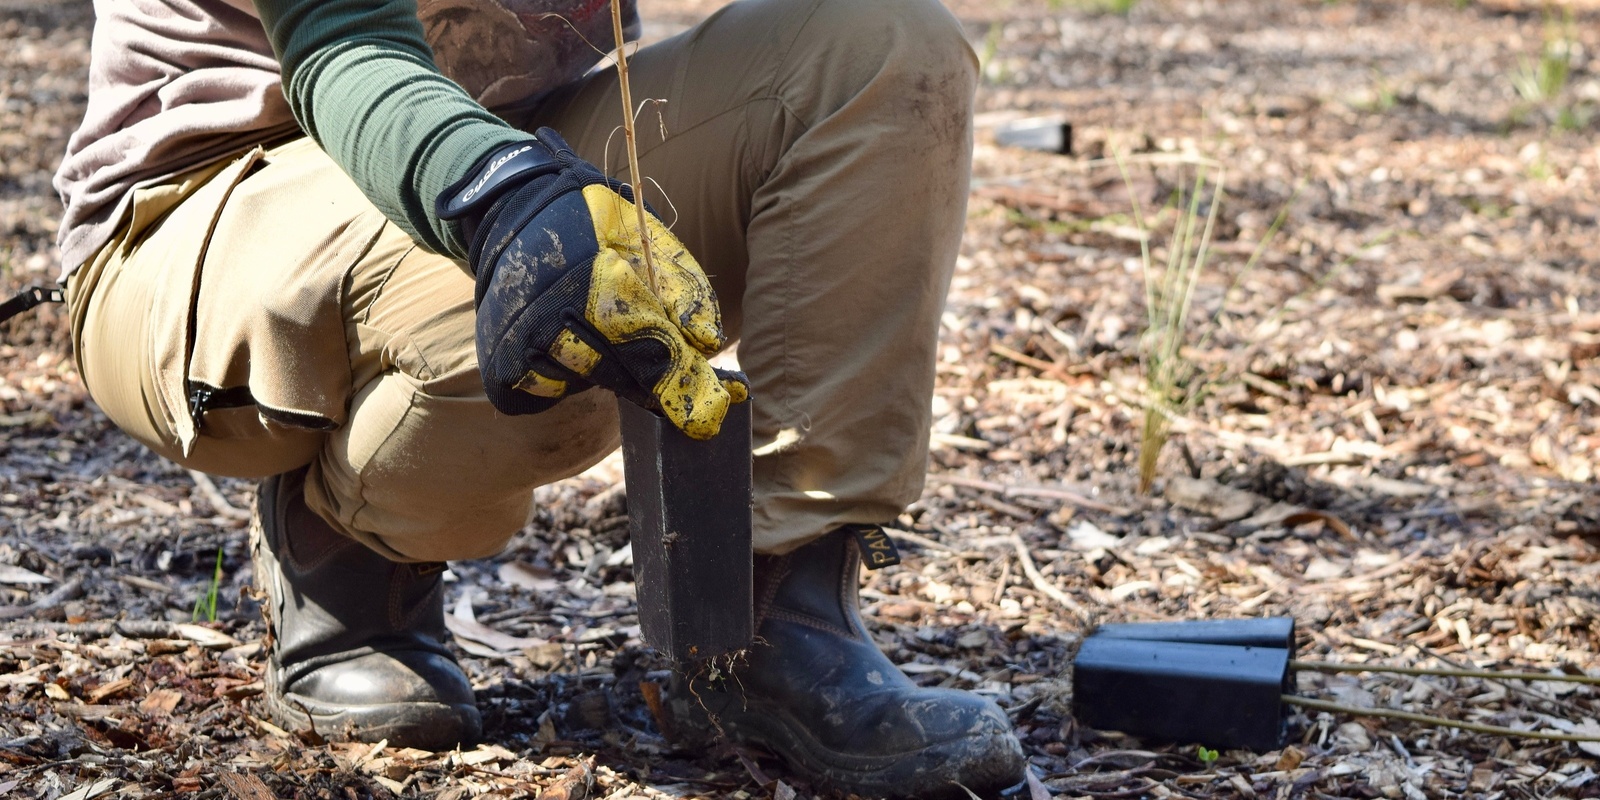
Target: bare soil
1396	442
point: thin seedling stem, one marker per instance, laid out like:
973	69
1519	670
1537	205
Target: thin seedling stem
1202	252
1438	722
1442	672
632	145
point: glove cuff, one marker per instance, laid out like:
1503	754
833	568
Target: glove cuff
502	169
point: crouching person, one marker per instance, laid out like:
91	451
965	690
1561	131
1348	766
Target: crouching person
361	250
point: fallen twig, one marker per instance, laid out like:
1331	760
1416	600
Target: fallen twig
71	590
214	496
1047	367
1145	758
960	442
1385	571
1516	688
1046	492
1425	719
133	629
922	541
1443	672
130	628
1037	579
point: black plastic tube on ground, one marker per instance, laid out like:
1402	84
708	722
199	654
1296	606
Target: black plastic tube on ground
1220	683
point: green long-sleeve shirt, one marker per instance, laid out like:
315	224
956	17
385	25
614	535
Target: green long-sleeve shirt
361	80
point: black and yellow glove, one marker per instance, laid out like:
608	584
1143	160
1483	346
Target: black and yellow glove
563	299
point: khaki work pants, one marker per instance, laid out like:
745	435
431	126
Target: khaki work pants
260	314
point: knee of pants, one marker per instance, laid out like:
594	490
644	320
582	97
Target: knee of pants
910	52
442	476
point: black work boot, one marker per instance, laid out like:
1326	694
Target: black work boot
816	691
356	641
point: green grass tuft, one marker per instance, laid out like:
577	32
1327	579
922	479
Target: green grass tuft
1542	83
205	606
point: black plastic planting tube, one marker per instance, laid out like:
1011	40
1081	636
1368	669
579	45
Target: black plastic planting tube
689	522
1219	683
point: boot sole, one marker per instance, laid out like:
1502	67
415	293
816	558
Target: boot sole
986	761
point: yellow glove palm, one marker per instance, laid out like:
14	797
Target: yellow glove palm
564	298
679	313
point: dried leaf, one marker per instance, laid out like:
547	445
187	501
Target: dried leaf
1036	787
973	639
1289	759
17	576
1207	497
1321	569
91	789
161	701
756	773
1334	523
245	786
206	637
1085	535
474	649
1588	727
1271	516
486	753
534	579
547	655
651	691
106	690
465	626
573	785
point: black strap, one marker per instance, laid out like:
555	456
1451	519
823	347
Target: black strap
28	298
877	549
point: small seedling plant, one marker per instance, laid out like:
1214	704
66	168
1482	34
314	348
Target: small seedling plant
1173	382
